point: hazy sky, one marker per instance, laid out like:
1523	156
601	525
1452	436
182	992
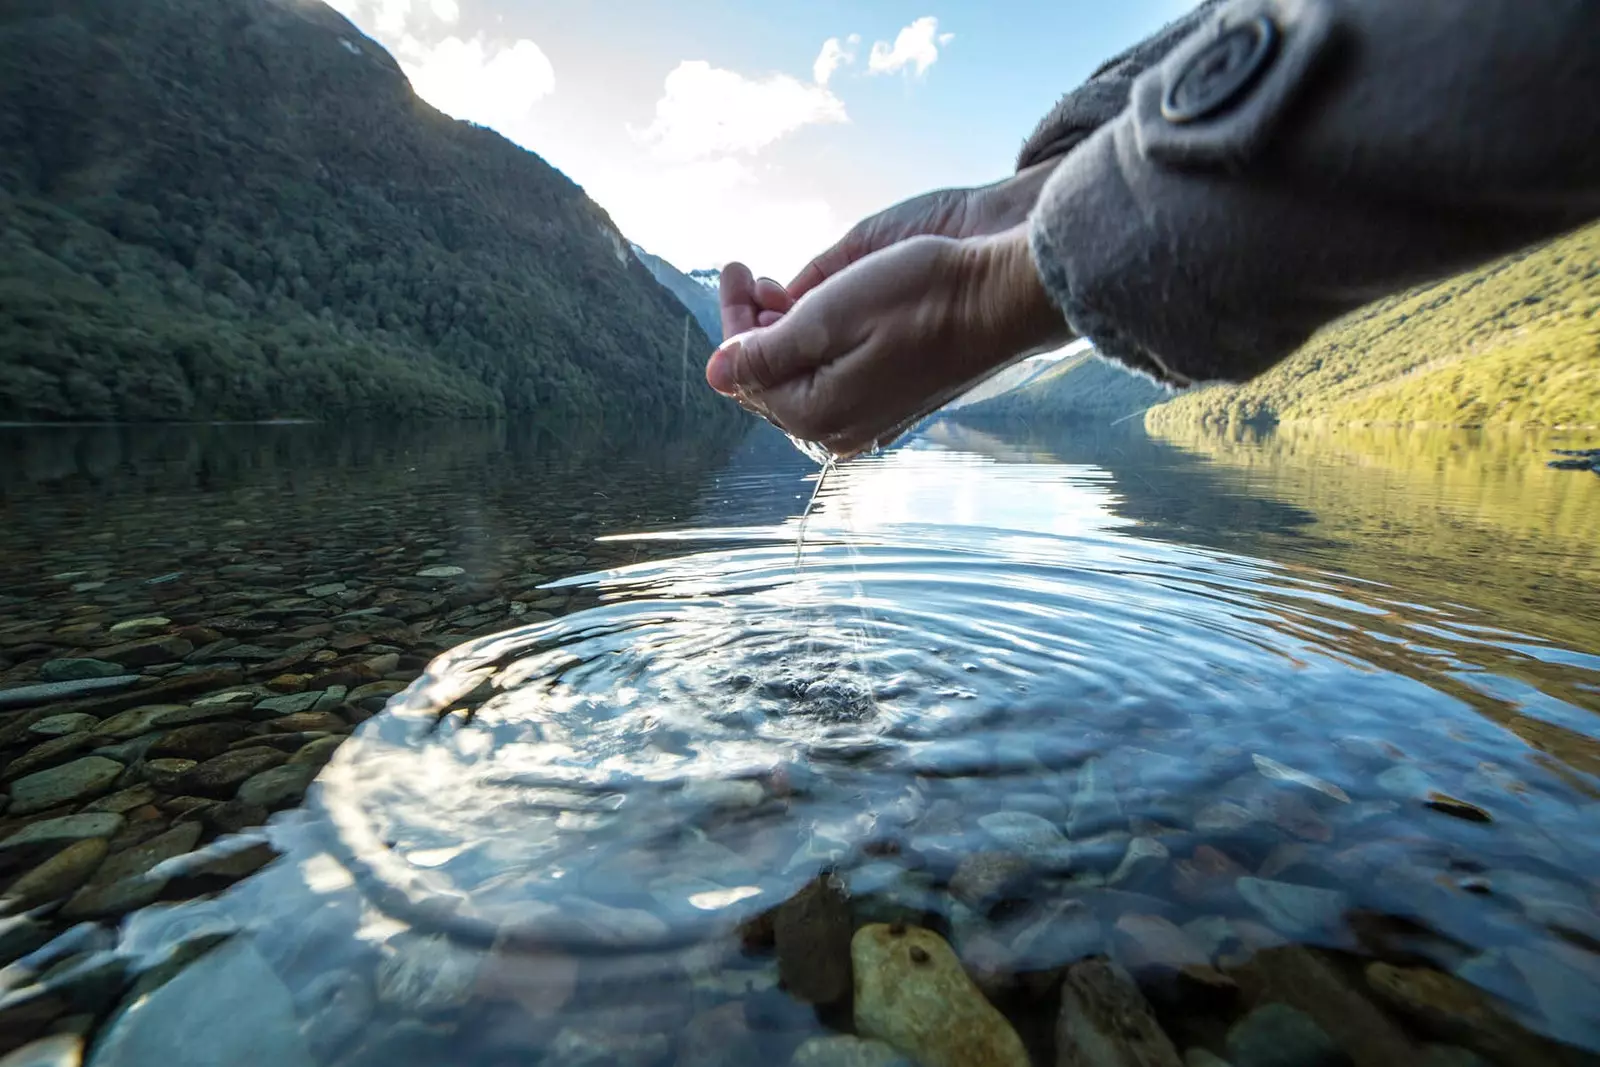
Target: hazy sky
721	130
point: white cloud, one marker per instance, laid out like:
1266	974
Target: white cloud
706	111
834	54
395	18
446	11
916	46
492	85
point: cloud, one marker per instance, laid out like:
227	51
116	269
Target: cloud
706	111
492	85
916	46
395	18
446	11
834	54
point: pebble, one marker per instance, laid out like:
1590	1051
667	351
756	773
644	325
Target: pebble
168	775
145	627
49	754
985	879
82	779
713	794
133	722
443	571
60	725
222	775
1278	772
812	934
228	1007
26	696
426	974
148	652
843	1050
197	742
1104	1021
1145	856
1150	943
1293	910
288	704
1276	1035
580	1047
48	833
76	670
118	886
1029	835
61	874
912	994
277	787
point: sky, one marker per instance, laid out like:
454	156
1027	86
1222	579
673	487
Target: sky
724	130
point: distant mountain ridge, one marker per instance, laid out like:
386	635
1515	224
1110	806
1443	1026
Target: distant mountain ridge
239	209
697	291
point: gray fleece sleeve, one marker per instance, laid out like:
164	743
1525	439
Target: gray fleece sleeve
1290	160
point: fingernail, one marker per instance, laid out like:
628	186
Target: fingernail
719	369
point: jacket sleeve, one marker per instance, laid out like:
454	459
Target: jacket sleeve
1286	161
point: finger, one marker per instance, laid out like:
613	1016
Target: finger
767	318
768	357
737	296
825	266
770	296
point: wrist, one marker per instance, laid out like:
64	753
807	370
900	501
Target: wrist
1006	304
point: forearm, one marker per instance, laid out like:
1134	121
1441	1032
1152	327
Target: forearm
1381	145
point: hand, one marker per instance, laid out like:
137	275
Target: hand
889	338
960	213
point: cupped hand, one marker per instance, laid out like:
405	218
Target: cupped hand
960	213
886	340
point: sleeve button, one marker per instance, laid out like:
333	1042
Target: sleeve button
1222	72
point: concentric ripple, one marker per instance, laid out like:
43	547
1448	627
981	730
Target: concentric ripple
659	769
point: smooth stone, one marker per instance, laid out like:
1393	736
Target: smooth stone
326	590
76	670
1095	808
984	879
57	1050
129	724
583	1047
289	703
1305	981
843	1050
1147	943
148	652
167	775
223	775
1278	772
1223	817
1029	835
336	1006
71	722
713	794
51	753
912	993
426	974
812	934
1276	1035
145	627
89	981
61	874
278	787
1199	1057
226	1008
1405	781
197	742
316	753
63	831
442	571
1104	1021
82	779
1145	856
1565	982
1293	910
50	692
120	886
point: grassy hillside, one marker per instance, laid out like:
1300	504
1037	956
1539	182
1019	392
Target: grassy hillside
238	209
1515	343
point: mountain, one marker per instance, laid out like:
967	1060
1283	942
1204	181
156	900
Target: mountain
1077	388
237	209
696	290
1514	343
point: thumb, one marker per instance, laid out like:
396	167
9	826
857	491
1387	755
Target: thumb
759	359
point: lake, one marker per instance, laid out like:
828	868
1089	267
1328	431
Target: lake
494	744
